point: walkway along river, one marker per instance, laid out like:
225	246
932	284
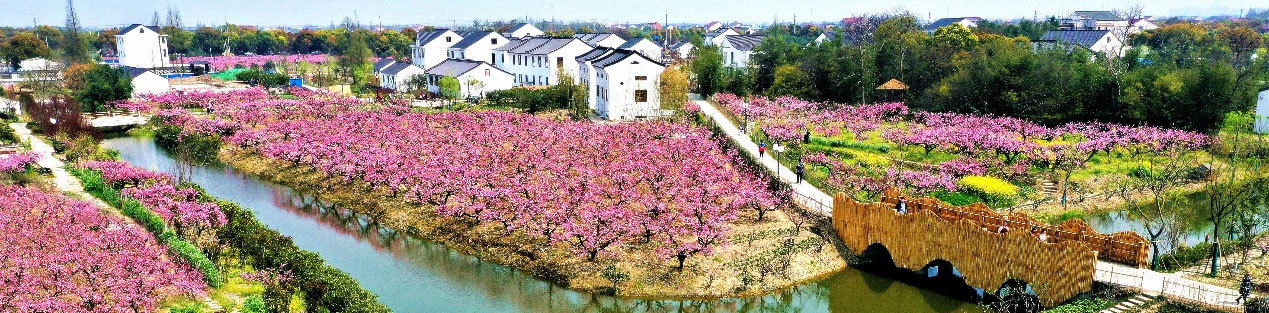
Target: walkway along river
412	275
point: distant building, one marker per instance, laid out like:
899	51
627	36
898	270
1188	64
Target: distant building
713	26
142	47
1094	20
626	84
524	30
738	49
606	40
475	78
1262	112
586	72
537	61
682	50
398	75
477	46
1100	41
1138	25
38	64
642	45
968	22
432	47
145	81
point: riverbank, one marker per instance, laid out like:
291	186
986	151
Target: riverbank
763	257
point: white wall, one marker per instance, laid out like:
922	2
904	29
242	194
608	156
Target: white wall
434	52
490	78
398	82
483	50
619	83
142	48
149	83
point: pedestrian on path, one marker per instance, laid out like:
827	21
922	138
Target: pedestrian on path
762	149
806	137
800	168
901	206
1244	290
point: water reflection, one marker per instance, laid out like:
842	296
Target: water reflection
413	275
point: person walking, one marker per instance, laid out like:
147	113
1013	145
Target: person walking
1244	290
806	137
762	149
901	206
799	170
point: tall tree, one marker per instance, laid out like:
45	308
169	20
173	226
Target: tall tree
23	46
674	88
103	85
355	60
75	48
173	17
708	68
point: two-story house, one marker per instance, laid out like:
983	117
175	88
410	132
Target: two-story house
432	47
537	61
142	47
524	30
586	72
642	45
475	78
1101	41
738	49
477	46
627	85
606	40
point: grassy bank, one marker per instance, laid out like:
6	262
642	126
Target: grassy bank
763	257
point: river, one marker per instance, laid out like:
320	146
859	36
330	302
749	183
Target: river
413	275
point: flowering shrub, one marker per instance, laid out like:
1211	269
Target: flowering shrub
18	162
989	186
62	255
220	63
592	188
179	207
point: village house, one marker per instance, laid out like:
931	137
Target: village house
606	40
642	45
142	47
432	47
738	49
537	61
626	85
1138	25
398	75
475	78
713	26
145	81
682	50
968	22
477	46
586	72
524	30
382	64
716	38
1101	41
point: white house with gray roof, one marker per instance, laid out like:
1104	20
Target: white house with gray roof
524	30
397	75
432	47
717	37
625	82
1100	41
477	46
738	49
537	61
968	22
586	72
606	40
142	47
475	78
642	45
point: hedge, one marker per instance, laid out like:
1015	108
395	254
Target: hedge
95	185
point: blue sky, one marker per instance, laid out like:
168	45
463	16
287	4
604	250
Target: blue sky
101	13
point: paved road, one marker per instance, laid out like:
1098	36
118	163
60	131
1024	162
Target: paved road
1150	282
805	193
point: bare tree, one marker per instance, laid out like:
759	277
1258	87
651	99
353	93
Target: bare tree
1147	197
1232	187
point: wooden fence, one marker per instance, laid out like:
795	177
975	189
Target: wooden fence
1055	271
1128	248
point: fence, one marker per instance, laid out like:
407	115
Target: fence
813	203
1123	247
1205	295
1130	278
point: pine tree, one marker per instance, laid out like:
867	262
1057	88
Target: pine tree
75	48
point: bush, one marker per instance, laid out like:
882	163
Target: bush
1182	257
1256	305
956	198
7	134
268	80
1091	305
253	304
1184	307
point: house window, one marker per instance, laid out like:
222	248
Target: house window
559	62
447	39
641	96
493	40
641	77
486	72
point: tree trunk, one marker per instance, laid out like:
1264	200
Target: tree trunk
1216	248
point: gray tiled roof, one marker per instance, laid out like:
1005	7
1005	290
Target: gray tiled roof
426	37
745	42
133	72
455	67
593	54
1085	38
382	63
630	44
134	26
618	55
593	38
471	38
512	43
520	26
680	44
541	45
940	23
1099	15
396	68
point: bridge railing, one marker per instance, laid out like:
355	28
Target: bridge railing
1201	294
1125	247
1129	278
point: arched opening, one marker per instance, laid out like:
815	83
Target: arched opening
876	257
1016	296
943	276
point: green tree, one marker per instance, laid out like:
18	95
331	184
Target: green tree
450	88
23	46
355	60
707	66
790	81
103	85
674	88
75	48
179	41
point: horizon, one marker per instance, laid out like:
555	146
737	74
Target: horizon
101	14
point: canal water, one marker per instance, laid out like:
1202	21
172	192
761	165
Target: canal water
413	275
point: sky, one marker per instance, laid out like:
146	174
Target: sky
111	13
